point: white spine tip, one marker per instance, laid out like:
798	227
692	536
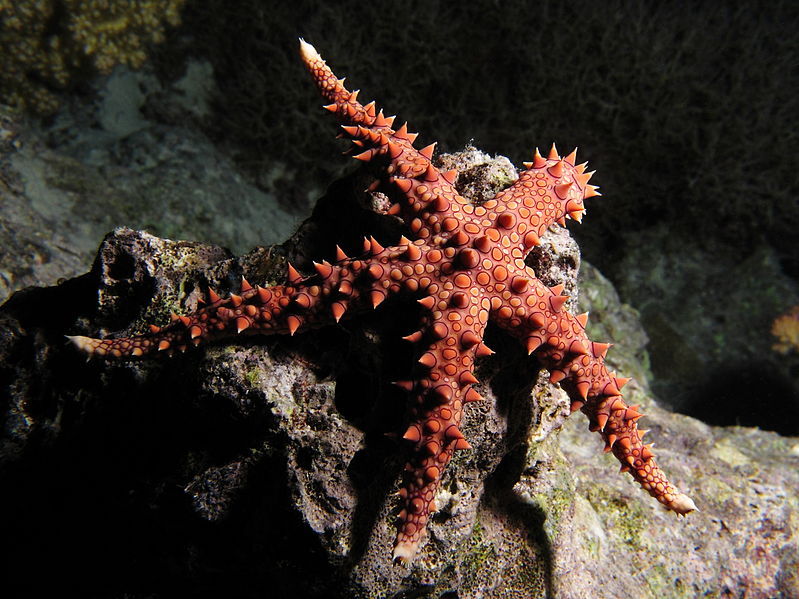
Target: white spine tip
308	52
84	344
682	504
404	552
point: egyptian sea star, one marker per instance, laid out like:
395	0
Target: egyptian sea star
466	266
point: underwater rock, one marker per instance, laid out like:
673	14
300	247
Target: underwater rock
265	467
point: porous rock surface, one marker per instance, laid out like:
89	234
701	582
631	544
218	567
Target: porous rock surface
265	467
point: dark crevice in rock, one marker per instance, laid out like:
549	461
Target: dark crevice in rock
749	394
341	217
372	472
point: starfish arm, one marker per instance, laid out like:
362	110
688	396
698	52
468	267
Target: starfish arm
449	342
550	190
335	291
559	341
467	265
424	197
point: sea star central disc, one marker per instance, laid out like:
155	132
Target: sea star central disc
465	265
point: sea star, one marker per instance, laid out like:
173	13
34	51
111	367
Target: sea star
466	267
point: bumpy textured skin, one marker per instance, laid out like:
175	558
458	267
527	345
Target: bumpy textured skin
466	267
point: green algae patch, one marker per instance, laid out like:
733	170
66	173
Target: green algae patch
556	497
626	520
252	376
478	552
554	503
727	451
515	566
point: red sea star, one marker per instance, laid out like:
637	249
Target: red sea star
467	266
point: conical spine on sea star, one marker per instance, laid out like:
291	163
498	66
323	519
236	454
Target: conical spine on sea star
466	267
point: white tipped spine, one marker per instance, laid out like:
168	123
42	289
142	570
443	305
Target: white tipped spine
84	344
308	52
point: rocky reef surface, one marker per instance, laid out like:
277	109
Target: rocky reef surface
266	466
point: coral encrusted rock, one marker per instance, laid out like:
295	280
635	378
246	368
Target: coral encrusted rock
264	468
